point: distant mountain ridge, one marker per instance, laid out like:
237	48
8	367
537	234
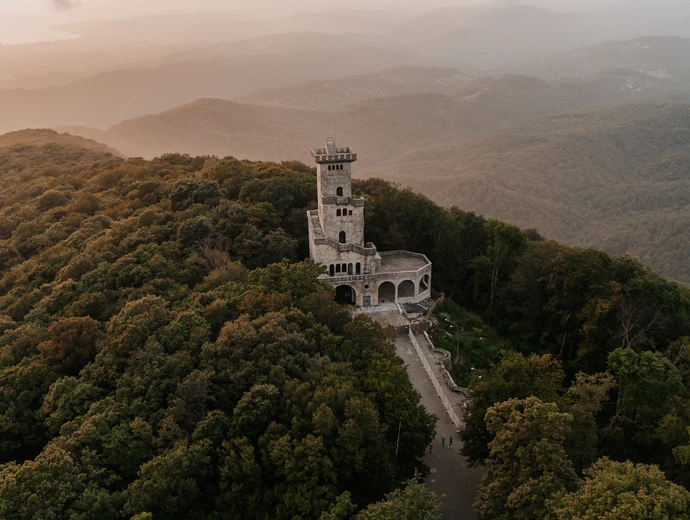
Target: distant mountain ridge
662	59
111	97
340	92
386	122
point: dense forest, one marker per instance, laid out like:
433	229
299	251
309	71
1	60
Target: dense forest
163	352
167	351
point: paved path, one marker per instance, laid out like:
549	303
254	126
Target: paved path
450	477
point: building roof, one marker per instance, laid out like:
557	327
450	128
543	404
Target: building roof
401	261
331	153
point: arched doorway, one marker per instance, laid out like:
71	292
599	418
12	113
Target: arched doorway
424	284
345	295
406	289
386	292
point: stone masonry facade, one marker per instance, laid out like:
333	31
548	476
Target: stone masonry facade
361	275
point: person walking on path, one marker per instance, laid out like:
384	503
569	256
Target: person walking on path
443	440
450	443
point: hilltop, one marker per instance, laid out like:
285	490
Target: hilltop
43	137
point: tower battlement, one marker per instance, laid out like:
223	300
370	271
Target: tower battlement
332	154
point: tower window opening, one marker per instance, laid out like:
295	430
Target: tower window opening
343	237
350	212
337	213
344	268
349	268
339	192
331	270
358	268
337	268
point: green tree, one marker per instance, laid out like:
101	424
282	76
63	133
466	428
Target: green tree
412	502
645	383
527	466
55	486
624	491
584	400
506	242
172	484
516	376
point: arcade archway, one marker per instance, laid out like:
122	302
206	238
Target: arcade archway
406	289
387	292
345	295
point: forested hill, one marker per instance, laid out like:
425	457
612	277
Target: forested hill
167	352
379	126
162	352
45	139
613	179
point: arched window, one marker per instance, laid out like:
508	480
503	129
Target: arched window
331	270
358	268
349	268
329	167
350	212
339	192
337	213
342	167
344	268
343	237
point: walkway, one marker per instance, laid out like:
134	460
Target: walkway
450	477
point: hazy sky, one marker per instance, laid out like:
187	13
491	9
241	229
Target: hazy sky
30	20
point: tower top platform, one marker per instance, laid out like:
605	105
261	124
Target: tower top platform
332	154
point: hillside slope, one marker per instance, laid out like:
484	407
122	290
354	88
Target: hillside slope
42	137
664	60
616	180
381	127
340	92
114	96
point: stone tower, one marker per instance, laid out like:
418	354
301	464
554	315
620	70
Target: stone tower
359	273
341	216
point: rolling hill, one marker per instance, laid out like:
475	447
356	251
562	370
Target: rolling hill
663	60
340	92
111	97
381	127
615	179
43	137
